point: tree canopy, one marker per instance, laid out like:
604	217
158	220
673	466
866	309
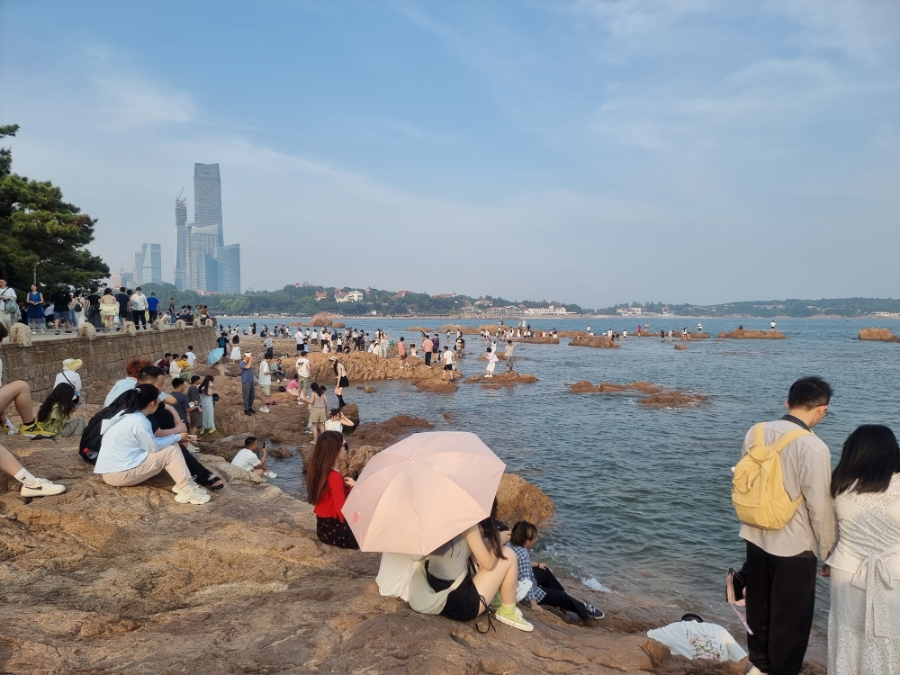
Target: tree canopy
38	228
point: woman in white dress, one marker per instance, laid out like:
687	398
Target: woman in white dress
864	621
236	348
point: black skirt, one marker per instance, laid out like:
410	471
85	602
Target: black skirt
335	532
463	602
344	382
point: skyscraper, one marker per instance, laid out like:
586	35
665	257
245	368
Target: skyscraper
203	262
180	249
208	198
151	257
138	272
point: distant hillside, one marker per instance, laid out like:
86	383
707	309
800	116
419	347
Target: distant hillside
843	307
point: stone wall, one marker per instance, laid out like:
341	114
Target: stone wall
104	357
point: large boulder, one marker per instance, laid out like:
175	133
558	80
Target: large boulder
517	499
743	334
878	334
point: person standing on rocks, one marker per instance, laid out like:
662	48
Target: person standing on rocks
248	384
491	362
139	308
270	346
401	352
781	563
208	405
318	409
299	337
236	348
427	348
447	358
61	300
510	356
340	373
265	382
302	374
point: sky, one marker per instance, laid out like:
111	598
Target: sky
587	151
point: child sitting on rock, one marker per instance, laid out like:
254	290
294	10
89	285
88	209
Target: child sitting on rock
248	460
545	589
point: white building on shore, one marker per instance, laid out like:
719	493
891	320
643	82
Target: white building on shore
552	310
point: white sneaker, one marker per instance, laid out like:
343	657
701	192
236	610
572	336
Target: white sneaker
193	449
42	488
264	409
191	494
270	474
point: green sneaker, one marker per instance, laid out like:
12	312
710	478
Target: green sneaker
512	616
496	602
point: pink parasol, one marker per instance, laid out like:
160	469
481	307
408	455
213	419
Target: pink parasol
423	491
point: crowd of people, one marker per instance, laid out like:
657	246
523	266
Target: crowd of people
848	517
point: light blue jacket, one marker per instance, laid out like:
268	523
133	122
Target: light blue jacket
127	440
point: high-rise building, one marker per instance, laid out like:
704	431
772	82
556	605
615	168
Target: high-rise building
138	272
151	258
229	258
208	198
180	248
203	262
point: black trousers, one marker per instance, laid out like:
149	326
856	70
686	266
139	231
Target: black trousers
556	594
781	599
195	468
139	318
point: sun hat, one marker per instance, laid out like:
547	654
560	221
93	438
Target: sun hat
72	364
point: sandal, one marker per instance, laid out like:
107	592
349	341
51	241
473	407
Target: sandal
214	483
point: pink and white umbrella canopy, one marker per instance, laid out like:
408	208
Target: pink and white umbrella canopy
423	491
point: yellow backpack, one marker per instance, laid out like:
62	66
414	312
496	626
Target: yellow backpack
757	488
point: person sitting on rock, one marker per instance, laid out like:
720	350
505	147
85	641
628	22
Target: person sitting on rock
249	460
450	564
69	375
132	368
327	490
545	589
56	410
278	371
337	421
32	486
130	453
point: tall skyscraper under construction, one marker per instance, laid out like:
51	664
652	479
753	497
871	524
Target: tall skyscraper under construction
203	262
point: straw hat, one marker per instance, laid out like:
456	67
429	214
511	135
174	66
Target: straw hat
72	364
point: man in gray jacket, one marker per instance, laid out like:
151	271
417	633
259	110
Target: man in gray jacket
781	564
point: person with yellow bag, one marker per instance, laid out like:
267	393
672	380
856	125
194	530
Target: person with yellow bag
782	494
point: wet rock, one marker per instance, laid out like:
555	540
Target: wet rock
584	386
517	499
500	380
680	347
370	390
656	397
878	334
281	453
437	386
742	334
323	319
596	341
672	399
421	329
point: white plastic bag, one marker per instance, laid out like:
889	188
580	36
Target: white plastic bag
394	574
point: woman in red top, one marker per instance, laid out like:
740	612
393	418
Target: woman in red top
328	490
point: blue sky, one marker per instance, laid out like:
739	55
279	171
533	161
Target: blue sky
587	151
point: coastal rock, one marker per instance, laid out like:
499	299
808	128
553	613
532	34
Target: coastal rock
500	380
680	346
538	340
672	399
597	341
369	390
437	386
742	334
517	499
322	319
878	334
583	386
281	453
421	329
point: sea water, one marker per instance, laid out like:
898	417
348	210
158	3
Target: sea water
643	502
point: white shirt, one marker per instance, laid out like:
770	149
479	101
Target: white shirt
138	302
303	366
448	357
246	459
191	358
265	378
69	377
698	641
298	336
331	425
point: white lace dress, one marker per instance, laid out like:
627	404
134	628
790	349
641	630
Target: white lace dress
864	621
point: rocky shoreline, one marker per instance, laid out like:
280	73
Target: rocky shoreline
125	580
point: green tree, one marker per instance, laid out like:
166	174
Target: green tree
37	228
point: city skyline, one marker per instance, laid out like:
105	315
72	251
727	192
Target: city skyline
202	261
584	150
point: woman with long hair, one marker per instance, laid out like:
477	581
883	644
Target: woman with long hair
864	620
56	410
236	348
208	405
327	490
130	453
451	564
340	373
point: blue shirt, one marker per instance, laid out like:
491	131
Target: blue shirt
152	303
246	372
523	557
127	440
